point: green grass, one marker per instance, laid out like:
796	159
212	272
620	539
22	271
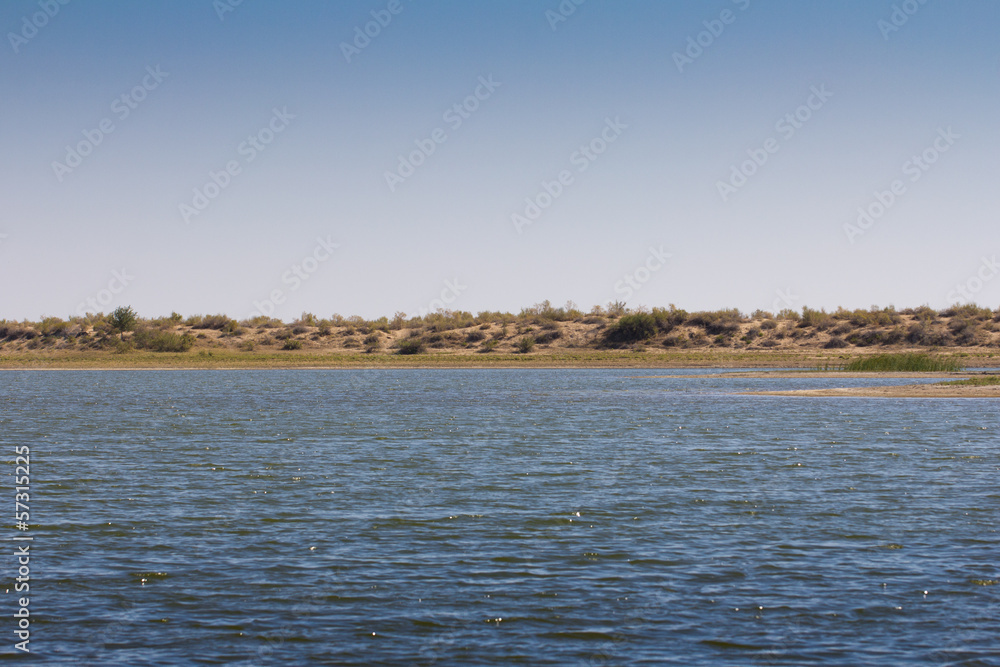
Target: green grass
907	362
985	381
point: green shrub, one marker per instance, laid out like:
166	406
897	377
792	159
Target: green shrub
15	332
724	322
836	342
373	343
489	345
122	319
666	320
969	311
819	319
474	336
162	341
679	340
292	344
219	322
866	338
410	346
923	333
52	326
263	322
925	313
446	320
545	311
698	338
525	344
548	336
965	331
893	336
631	329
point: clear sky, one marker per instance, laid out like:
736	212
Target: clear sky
368	157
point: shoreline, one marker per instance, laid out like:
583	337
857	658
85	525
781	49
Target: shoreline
745	364
539	337
546	358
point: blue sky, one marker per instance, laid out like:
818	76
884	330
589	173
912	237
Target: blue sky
271	157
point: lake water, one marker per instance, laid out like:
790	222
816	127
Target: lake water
485	517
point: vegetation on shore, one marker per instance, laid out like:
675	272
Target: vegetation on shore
983	381
602	335
906	362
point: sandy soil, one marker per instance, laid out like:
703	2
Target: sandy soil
958	375
896	391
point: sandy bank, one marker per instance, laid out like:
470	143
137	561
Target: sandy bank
896	391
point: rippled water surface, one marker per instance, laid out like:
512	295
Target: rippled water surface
483	517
